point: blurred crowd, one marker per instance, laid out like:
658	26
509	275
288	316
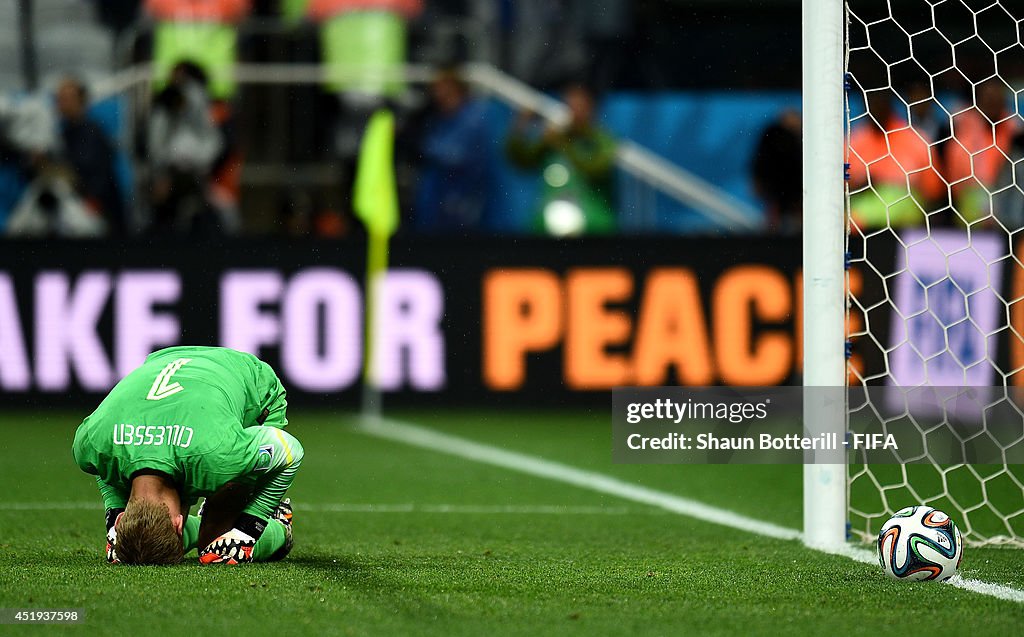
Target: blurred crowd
59	174
915	161
173	165
177	168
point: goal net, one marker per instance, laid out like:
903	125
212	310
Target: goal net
935	152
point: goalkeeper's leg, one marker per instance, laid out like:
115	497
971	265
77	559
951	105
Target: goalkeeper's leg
276	548
218	516
274	544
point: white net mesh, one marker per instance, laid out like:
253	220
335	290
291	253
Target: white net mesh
936	234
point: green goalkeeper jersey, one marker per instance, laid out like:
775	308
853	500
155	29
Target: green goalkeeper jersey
205	416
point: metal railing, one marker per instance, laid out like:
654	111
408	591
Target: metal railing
650	173
640	163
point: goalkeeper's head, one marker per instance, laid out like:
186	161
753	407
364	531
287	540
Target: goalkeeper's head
149	531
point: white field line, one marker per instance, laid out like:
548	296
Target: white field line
51	506
517	509
453	445
344	507
975	586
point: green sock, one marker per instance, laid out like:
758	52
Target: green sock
273	538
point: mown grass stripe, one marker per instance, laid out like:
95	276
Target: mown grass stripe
415	435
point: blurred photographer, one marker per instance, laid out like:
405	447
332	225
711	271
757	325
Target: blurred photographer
576	163
183	143
90	154
27	137
45	205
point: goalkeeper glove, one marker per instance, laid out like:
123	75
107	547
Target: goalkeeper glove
235	546
113	515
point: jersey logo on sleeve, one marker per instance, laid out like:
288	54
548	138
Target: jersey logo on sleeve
264	458
162	386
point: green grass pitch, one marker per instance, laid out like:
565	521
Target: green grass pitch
393	539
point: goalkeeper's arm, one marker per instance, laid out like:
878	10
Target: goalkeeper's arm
114	501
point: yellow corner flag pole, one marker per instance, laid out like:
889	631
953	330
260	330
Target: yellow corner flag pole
375	200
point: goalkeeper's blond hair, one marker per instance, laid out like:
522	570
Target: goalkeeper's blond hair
146	535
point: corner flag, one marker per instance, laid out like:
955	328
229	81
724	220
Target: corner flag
375	200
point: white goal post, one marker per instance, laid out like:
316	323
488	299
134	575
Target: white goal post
824	240
913	276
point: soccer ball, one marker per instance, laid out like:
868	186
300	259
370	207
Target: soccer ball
920	543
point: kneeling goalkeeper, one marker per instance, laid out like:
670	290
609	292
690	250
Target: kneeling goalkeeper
193	422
